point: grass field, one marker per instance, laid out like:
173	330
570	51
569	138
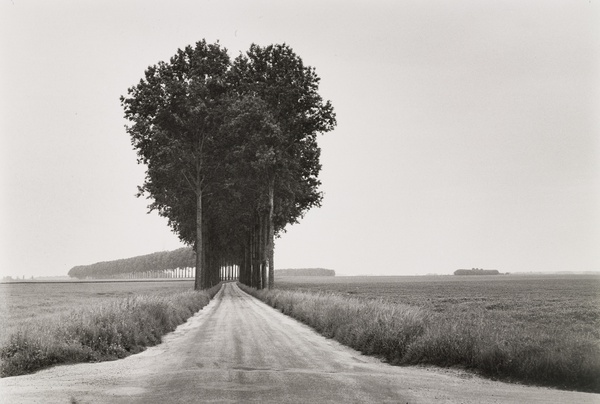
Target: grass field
533	329
22	302
568	303
52	323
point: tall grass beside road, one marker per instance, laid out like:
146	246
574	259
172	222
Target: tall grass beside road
109	329
470	339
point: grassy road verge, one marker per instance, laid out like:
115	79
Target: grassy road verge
108	330
408	335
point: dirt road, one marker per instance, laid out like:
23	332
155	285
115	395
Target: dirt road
238	349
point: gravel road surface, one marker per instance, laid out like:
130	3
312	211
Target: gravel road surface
239	350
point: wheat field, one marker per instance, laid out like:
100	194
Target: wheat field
542	330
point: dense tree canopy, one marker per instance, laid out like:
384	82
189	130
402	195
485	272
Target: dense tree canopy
231	151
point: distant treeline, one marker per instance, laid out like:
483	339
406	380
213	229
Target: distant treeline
179	263
305	272
476	271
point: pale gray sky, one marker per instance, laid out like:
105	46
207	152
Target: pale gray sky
468	131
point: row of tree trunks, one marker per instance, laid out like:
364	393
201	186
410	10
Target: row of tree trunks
226	272
176	273
229	272
251	263
256	263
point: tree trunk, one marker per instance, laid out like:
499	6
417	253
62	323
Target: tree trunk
263	251
257	257
271	235
245	275
199	282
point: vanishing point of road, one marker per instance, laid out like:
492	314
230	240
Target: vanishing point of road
239	350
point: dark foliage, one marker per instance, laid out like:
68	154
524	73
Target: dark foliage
230	150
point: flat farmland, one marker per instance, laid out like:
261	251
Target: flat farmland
565	303
534	329
22	303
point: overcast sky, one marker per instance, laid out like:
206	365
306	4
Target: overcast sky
468	131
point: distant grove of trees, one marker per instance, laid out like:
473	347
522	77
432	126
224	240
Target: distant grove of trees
166	264
230	151
305	272
476	271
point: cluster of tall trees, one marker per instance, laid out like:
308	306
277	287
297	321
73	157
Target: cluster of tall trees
231	151
177	263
